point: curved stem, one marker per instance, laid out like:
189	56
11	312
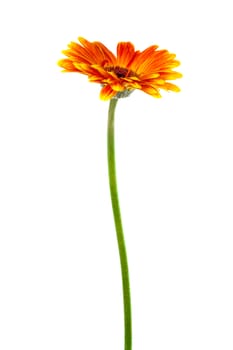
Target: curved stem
118	225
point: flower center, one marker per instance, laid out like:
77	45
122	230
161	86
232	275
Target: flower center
119	71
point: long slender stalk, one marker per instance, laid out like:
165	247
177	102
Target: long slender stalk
118	225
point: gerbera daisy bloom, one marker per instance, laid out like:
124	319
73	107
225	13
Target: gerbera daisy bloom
148	70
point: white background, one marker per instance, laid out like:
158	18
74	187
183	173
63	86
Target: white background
60	284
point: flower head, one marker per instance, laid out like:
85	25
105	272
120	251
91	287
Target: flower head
148	70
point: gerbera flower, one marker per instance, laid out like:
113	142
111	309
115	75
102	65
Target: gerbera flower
148	70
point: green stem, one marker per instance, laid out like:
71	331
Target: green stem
118	225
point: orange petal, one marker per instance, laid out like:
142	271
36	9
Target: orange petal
142	56
170	87
171	75
107	93
133	85
84	42
83	67
107	55
96	52
67	65
151	91
79	55
125	53
149	76
116	86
